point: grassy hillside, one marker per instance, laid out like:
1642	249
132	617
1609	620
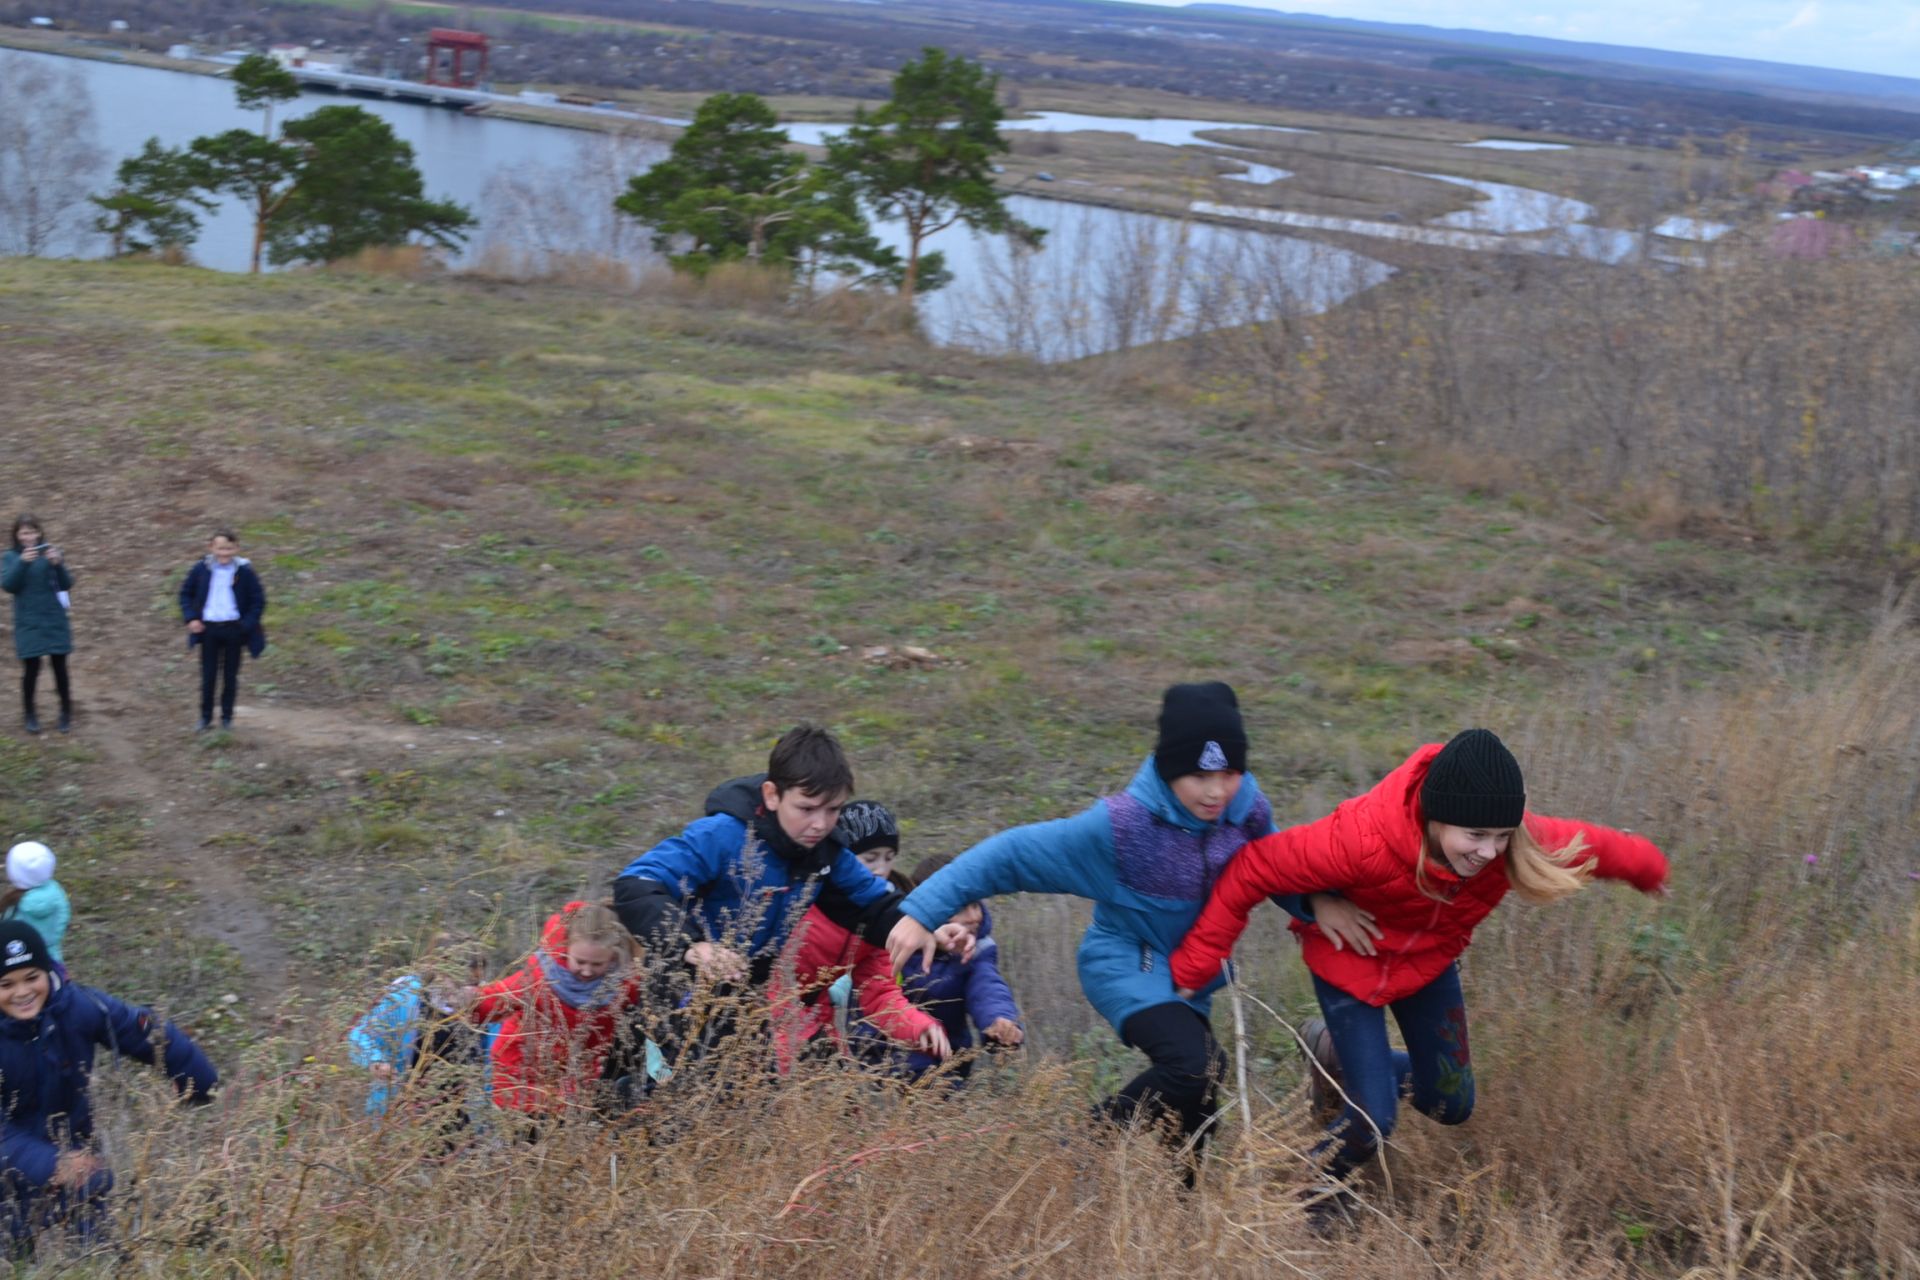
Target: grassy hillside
545	566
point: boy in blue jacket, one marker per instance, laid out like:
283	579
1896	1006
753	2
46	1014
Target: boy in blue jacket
723	895
49	1030
955	991
221	603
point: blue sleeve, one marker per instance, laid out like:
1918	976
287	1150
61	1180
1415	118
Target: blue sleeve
254	606
384	1034
189	601
27	1155
128	1031
1295	905
13	573
988	996
695	858
1069	855
850	876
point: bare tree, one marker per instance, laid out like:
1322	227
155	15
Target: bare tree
50	156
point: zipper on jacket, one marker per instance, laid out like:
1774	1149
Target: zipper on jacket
1146	958
1386	969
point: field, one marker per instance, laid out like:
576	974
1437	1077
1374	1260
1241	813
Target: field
546	564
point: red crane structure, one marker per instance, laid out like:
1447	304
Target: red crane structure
448	52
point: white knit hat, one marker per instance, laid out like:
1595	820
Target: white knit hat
29	864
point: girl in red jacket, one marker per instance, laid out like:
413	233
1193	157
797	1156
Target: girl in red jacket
1417	862
822	952
560	1014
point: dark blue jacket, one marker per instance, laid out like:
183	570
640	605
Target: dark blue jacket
954	992
710	883
248	594
46	1065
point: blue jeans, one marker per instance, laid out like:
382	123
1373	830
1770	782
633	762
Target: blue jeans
1435	1068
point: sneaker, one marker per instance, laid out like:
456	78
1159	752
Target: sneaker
1323	1070
65	723
33	723
226	722
203	724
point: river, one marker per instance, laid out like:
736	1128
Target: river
1105	278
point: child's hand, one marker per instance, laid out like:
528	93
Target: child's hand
381	1071
933	1042
1004	1031
718	963
54	556
74	1168
907	937
196	626
1344	924
29	553
1185	993
956	938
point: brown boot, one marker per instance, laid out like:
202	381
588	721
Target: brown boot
1323	1070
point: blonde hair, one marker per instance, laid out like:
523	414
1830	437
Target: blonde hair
595	923
1538	874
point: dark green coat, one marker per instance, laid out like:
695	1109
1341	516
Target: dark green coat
39	619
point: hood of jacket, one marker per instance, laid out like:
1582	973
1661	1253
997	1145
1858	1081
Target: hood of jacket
1151	790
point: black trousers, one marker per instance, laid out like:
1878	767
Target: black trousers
30	676
1183	1078
221	645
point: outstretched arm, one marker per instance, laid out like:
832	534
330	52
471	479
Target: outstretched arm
1070	855
1617	855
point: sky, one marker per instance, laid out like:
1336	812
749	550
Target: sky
1857	35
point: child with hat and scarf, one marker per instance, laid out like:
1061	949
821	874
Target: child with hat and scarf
32	895
1421	859
1147	856
49	1029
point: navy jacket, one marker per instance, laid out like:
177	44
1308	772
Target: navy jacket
47	1063
247	593
953	991
712	883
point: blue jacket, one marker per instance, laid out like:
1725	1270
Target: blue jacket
248	594
1139	917
46	908
47	1062
390	1033
954	992
712	883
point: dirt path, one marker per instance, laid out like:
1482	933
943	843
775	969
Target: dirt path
232	914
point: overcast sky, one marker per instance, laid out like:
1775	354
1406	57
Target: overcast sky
1860	35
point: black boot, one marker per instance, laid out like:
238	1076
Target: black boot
65	723
33	723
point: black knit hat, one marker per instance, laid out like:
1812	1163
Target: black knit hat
22	947
866	824
1200	731
1474	782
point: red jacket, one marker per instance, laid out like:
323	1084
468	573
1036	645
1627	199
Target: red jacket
1368	850
546	1051
821	951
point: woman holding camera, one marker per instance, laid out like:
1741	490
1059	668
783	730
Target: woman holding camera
36	576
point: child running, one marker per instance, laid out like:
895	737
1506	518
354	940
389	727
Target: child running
1418	862
49	1030
420	1024
1147	857
34	897
954	991
725	894
827	956
559	1016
